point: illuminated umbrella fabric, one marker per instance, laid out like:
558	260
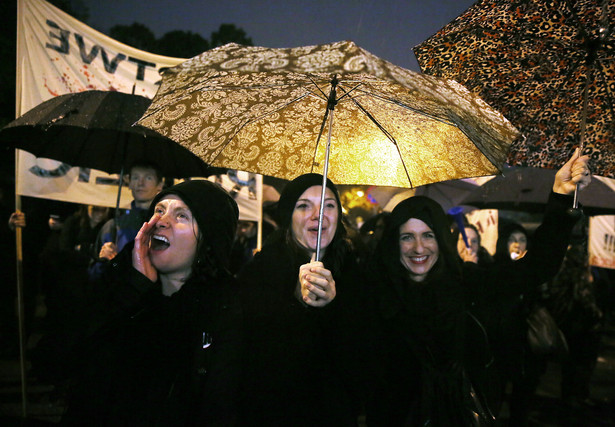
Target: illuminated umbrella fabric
265	110
548	66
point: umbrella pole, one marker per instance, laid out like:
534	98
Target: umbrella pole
324	187
114	231
330	107
575	202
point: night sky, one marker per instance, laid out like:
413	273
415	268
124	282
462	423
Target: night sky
387	28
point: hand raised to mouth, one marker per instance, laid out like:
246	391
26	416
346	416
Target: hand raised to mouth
140	253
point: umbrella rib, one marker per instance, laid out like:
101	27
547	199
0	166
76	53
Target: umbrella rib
407	107
322	127
383	130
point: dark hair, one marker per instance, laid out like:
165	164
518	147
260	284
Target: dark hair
505	229
339	247
84	216
456	231
430	212
147	164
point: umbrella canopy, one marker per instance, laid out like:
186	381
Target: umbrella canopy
264	110
94	129
527	189
548	66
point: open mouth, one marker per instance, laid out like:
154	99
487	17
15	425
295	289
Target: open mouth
159	243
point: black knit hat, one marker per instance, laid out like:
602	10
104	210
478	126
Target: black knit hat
214	210
294	190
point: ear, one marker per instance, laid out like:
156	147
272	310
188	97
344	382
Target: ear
126	179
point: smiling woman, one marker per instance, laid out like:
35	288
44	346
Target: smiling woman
295	315
162	342
420	295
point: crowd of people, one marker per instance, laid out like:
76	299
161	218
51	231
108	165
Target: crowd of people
167	315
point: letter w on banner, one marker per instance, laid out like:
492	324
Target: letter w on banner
57	54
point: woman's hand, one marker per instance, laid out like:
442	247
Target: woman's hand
574	172
468	255
316	286
17	219
140	253
108	251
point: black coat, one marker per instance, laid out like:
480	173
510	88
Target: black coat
145	358
297	372
423	330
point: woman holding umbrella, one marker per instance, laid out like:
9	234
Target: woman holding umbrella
293	306
421	293
162	342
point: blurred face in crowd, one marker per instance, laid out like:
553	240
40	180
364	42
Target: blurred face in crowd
472	240
97	214
305	218
517	245
144	184
418	248
173	245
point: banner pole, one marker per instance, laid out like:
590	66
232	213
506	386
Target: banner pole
20	306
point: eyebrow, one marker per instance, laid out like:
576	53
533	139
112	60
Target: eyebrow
328	199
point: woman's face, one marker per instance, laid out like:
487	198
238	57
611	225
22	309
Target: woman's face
305	218
97	213
517	245
174	242
418	248
472	240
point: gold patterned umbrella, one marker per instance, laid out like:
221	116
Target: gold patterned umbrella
264	110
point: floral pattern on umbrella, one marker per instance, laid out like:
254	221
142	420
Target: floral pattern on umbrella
262	110
532	59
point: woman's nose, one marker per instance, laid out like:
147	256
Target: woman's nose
163	222
315	212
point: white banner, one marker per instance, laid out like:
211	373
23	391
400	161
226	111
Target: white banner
57	54
602	241
486	221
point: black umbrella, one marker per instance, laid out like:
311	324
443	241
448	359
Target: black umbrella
95	129
527	189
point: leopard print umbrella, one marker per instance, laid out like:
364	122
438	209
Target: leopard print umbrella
537	61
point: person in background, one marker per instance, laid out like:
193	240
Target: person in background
161	341
244	245
574	307
66	292
476	253
518	365
421	293
81	229
145	181
41	221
